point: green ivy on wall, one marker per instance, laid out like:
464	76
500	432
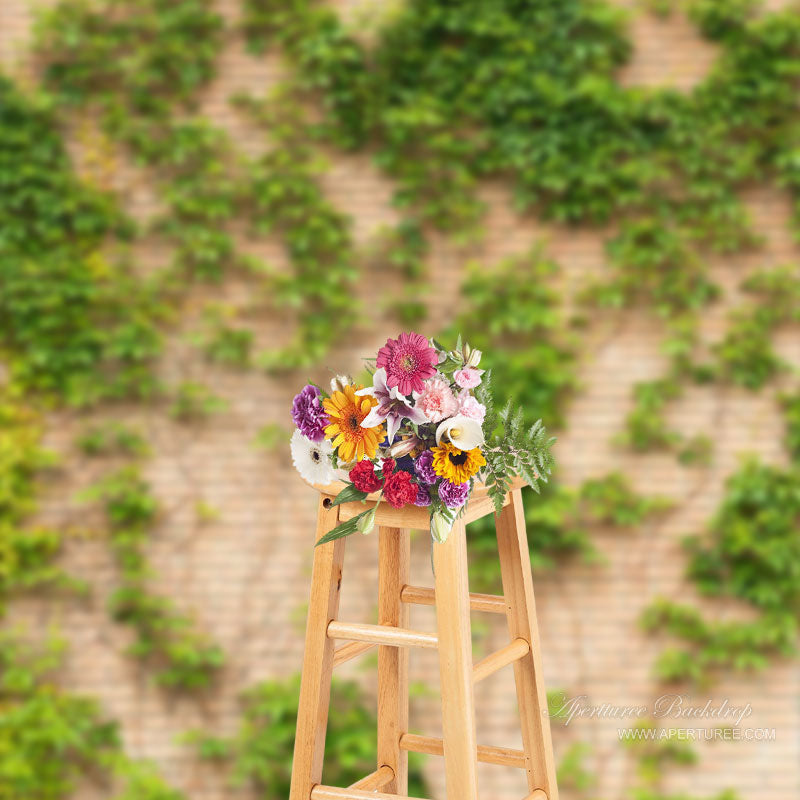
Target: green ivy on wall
184	657
52	741
560	522
260	754
791	409
443	96
204	183
49	738
750	553
73	325
746	355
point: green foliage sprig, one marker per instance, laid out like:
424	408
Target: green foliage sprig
512	448
183	656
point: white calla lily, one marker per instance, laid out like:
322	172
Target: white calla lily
463	432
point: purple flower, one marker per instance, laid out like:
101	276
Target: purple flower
392	407
423	497
423	466
308	414
454	495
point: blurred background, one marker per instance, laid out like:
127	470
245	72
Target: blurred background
205	204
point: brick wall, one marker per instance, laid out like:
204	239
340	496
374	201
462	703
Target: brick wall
245	575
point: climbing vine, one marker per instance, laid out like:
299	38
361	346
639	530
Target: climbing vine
560	523
204	183
73	324
183	657
49	738
444	96
751	554
260	754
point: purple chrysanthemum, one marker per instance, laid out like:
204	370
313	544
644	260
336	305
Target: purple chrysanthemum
309	415
423	497
423	466
454	495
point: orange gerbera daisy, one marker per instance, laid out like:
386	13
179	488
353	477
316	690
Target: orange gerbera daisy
346	412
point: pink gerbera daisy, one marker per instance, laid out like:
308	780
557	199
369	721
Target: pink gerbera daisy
408	361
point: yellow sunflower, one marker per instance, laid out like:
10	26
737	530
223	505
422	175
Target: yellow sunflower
457	466
346	412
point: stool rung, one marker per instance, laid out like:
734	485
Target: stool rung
375	780
513	651
538	794
381	634
320	792
421	596
349	651
504	756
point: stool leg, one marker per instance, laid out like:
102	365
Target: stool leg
393	574
455	665
512	543
315	684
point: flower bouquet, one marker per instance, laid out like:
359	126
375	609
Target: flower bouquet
421	434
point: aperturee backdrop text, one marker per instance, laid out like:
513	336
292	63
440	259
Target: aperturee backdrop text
421	434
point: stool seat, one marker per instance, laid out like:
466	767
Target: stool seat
479	505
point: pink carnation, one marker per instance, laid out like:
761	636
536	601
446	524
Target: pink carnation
468	406
467	378
408	361
437	400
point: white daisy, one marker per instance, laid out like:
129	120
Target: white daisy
312	459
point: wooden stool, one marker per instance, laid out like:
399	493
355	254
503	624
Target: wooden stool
453	639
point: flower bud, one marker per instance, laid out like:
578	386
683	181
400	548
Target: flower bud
404	447
339	382
440	528
474	358
366	522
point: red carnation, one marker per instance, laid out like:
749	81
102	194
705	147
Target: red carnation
399	491
388	467
364	478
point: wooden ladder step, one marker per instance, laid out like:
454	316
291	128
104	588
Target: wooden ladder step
349	651
513	651
504	756
381	634
375	780
422	596
320	792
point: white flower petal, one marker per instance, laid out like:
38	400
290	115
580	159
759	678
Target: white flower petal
373	419
468	432
312	459
392	424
